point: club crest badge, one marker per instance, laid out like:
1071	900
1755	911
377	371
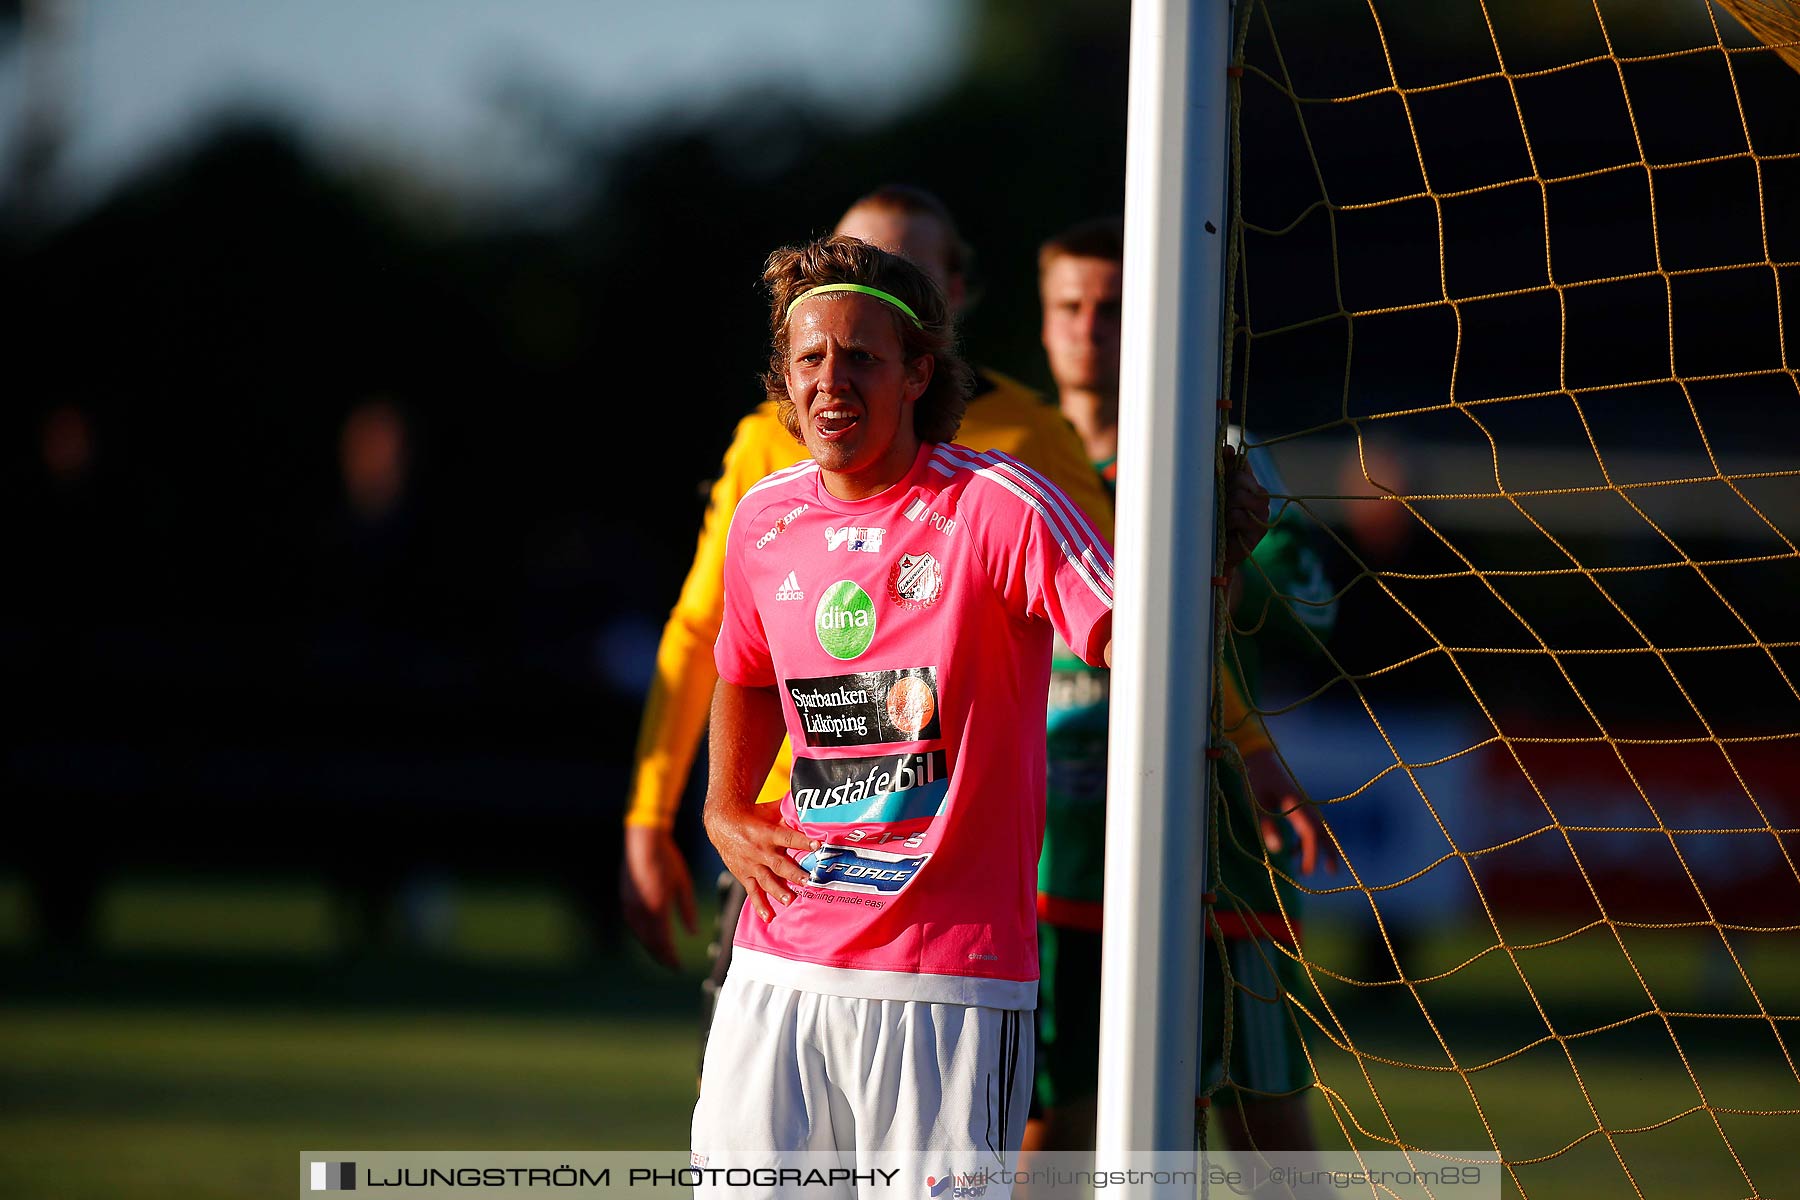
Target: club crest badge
915	581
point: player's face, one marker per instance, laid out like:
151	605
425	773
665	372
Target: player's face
1081	322
848	376
921	238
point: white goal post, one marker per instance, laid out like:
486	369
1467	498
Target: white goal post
1175	230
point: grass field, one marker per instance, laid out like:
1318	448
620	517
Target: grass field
217	1031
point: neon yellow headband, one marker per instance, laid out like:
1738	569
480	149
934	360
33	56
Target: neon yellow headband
860	289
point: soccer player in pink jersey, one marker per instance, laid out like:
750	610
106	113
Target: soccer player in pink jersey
890	605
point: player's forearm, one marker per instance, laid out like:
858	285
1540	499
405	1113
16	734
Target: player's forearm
745	733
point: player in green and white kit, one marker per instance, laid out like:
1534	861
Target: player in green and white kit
1079	282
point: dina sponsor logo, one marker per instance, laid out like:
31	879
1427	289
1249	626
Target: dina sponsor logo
860	870
915	581
780	526
924	514
855	537
885	790
868	707
846	620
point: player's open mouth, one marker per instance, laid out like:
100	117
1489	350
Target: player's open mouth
835	422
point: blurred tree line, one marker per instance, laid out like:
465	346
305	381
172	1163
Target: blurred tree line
342	530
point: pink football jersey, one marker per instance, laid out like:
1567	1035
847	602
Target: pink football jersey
908	637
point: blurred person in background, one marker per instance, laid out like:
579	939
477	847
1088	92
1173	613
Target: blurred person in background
1001	415
377	591
374	457
72	563
374	577
1080	279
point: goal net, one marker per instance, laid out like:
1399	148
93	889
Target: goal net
1514	316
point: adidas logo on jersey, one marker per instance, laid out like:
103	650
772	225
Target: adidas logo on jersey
790	589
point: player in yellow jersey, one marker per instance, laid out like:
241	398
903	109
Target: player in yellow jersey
1002	415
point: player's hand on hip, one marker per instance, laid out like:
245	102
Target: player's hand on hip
1246	509
653	877
753	845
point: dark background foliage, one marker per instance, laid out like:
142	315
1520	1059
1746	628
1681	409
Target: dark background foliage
217	658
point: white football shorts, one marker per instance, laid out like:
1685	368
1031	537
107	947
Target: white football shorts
933	1091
